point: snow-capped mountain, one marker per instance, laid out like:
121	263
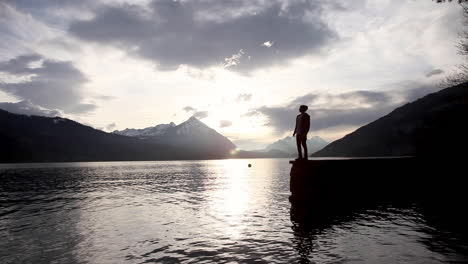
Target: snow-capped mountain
190	136
192	126
145	132
197	136
288	145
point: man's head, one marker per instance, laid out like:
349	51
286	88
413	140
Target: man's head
303	108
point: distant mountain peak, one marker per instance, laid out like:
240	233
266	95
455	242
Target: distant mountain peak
193	119
191	134
191	125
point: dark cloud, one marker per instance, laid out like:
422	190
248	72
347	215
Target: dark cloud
81	108
206	33
46	83
196	113
104	97
304	100
189	109
434	72
415	90
282	119
326	118
244	97
27	108
20	64
45	4
225	123
201	114
251	113
52	11
366	97
347	109
357	97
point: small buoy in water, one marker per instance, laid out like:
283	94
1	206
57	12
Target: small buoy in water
250	165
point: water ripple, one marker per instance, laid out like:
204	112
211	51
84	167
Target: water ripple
202	212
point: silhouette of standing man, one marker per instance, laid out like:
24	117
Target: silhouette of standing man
301	130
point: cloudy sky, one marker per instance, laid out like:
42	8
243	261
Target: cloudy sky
241	66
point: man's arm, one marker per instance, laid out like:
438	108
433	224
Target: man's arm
295	129
307	123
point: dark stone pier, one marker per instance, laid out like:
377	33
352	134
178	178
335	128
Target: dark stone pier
354	179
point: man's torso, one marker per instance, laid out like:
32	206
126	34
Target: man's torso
301	122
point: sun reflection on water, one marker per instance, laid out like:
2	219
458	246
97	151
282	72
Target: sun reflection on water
239	190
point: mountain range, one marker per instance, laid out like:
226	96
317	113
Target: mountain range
434	125
40	139
196	133
36	138
192	135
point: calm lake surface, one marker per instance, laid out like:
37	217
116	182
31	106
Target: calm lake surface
217	211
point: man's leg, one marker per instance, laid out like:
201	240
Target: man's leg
299	150
304	145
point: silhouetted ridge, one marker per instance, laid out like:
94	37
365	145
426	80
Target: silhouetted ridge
37	139
434	125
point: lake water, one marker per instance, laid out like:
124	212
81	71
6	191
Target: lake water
217	211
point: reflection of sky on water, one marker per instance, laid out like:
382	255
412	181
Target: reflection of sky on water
200	211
